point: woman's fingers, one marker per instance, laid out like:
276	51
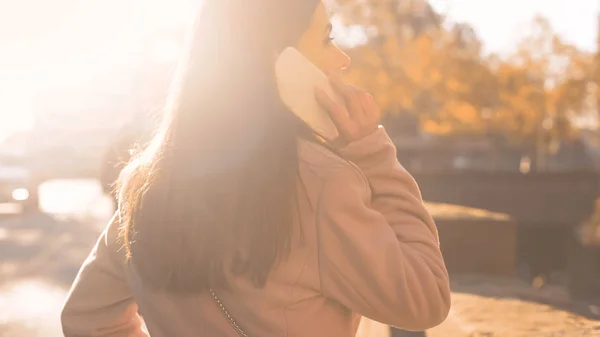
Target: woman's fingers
358	117
362	100
349	95
372	111
339	114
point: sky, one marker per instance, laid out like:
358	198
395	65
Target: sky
499	22
63	43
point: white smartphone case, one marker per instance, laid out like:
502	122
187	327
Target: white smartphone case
297	79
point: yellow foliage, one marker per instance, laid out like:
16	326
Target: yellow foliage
465	113
440	75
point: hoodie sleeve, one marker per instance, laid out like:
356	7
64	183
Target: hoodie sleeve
100	302
378	246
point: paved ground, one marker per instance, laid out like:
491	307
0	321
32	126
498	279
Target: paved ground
497	307
40	255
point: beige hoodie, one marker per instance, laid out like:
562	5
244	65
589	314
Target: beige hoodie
369	248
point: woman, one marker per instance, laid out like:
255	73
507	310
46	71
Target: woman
238	197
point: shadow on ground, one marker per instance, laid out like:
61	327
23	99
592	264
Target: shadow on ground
507	288
45	246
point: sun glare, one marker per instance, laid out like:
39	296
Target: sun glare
74	42
15	111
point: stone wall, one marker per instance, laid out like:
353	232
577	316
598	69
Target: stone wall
535	199
475	240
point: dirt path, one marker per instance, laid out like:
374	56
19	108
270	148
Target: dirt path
495	307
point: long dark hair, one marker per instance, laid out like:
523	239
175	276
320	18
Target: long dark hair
213	195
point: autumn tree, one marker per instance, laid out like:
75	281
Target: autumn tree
397	39
415	62
552	77
412	64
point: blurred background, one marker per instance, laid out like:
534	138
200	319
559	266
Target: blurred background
493	106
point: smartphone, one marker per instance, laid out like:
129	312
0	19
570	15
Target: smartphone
297	79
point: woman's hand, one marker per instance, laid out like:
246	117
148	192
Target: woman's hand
357	118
